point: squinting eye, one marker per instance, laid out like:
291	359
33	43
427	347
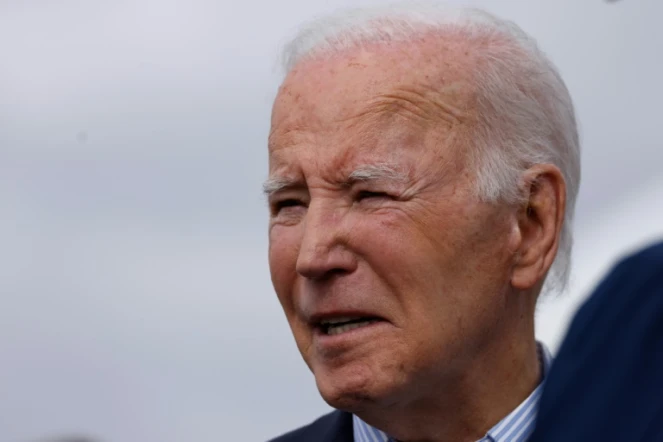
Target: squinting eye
280	205
364	194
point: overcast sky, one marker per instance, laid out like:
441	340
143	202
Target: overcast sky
136	301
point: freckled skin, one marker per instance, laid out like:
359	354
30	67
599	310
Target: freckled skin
430	259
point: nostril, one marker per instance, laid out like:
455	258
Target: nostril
320	272
332	274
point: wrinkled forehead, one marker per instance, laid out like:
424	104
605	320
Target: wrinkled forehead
360	105
432	72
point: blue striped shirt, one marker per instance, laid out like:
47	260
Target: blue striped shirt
517	426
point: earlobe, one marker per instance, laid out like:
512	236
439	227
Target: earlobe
540	222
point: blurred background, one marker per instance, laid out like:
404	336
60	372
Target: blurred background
135	296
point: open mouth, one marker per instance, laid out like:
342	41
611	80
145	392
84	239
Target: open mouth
337	326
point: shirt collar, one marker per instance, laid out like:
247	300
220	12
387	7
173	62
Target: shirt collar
515	427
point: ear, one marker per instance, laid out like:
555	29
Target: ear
540	222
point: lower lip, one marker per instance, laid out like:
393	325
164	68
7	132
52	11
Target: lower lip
349	338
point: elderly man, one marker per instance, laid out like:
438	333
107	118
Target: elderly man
423	167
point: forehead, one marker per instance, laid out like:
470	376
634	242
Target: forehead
365	101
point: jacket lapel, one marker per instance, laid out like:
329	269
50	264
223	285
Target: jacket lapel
340	428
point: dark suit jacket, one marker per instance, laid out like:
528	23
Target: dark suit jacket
606	383
333	427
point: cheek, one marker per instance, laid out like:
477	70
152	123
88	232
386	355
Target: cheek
397	242
402	256
423	260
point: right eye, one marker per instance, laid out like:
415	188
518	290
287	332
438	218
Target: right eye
281	205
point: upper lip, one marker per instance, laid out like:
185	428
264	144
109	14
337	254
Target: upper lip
319	319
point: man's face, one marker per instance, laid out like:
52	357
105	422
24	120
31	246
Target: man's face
392	276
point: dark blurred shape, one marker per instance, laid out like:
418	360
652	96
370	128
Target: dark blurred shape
606	383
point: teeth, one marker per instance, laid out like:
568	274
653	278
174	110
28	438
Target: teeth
338	320
335	330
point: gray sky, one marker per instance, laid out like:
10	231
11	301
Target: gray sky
136	297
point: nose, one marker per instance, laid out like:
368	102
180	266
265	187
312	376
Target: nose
324	248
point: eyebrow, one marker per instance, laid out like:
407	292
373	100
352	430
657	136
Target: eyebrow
273	185
364	173
377	172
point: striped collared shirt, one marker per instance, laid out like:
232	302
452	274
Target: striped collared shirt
515	427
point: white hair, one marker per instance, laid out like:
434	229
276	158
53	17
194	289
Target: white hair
525	112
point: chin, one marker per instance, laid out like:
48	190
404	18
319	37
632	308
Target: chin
350	390
350	402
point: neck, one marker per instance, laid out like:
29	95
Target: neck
465	406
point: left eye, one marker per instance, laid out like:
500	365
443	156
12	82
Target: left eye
364	194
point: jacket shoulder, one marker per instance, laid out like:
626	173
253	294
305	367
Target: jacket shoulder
333	427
